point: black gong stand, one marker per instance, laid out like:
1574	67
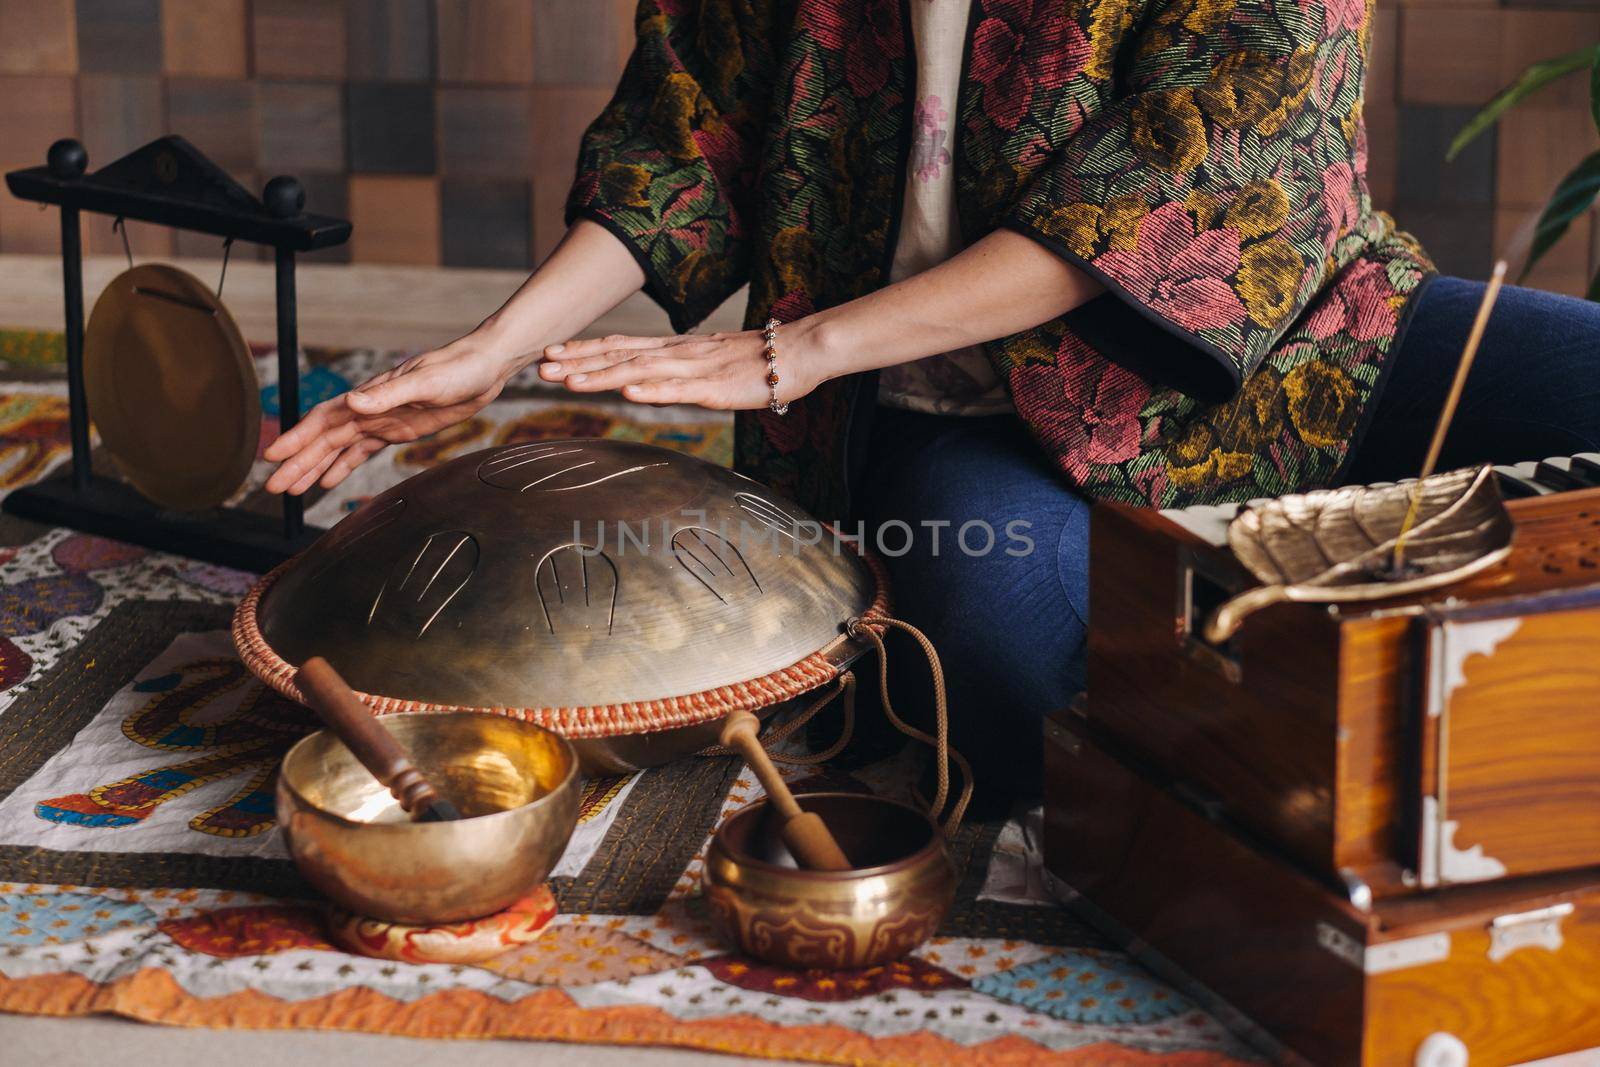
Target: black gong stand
171	183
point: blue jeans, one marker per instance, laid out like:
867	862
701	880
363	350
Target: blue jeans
1010	626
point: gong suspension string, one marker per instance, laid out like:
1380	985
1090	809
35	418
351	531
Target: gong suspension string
227	247
943	753
119	226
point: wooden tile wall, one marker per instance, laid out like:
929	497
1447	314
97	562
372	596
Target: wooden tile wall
484	133
581	44
485	41
119	36
38	37
119	112
301	127
391	127
390	40
205	38
395	218
218	115
559	118
34	109
447	128
485	222
299	38
28	228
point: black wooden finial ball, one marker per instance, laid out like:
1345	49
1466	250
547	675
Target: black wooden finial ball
284	196
67	159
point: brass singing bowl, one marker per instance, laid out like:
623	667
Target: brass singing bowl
516	783
904	883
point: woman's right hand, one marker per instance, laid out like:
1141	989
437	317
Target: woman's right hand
420	396
589	273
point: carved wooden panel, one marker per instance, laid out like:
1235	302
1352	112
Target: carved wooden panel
1502	972
1516	696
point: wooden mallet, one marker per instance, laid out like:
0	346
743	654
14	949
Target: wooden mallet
808	837
342	712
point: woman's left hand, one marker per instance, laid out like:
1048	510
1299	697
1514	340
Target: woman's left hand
720	370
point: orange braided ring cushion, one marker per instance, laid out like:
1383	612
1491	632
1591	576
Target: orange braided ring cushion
600	720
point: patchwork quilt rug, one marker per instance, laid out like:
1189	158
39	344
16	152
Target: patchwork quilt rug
141	873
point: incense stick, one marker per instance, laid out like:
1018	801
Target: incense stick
1443	426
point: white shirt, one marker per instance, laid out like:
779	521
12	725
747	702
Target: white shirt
961	382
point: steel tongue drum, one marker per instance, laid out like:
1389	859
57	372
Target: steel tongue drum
626	596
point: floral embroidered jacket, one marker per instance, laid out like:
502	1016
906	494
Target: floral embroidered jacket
1205	159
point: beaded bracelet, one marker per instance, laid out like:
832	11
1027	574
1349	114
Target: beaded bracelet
769	335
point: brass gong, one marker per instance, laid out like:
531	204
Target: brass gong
605	589
171	387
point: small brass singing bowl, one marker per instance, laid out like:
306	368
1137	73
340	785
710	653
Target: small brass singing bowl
516	784
893	901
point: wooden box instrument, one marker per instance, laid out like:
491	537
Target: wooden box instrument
1391	746
1501	972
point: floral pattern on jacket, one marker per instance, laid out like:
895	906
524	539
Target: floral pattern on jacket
1205	159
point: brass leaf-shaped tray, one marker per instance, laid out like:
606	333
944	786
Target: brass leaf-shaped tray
1337	545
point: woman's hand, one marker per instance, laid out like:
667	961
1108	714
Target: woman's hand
1002	284
727	371
420	396
588	274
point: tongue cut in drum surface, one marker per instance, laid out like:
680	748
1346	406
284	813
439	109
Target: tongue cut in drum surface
570	581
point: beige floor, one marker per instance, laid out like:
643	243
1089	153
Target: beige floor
382	307
96	1042
388	307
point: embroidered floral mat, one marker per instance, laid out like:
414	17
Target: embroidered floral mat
141	874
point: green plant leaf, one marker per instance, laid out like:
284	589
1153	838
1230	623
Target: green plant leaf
1533	79
1571	199
1594	90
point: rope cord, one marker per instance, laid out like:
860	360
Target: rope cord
943	753
846	686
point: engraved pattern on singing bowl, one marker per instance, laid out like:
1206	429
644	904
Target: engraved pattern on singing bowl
874	914
566	574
